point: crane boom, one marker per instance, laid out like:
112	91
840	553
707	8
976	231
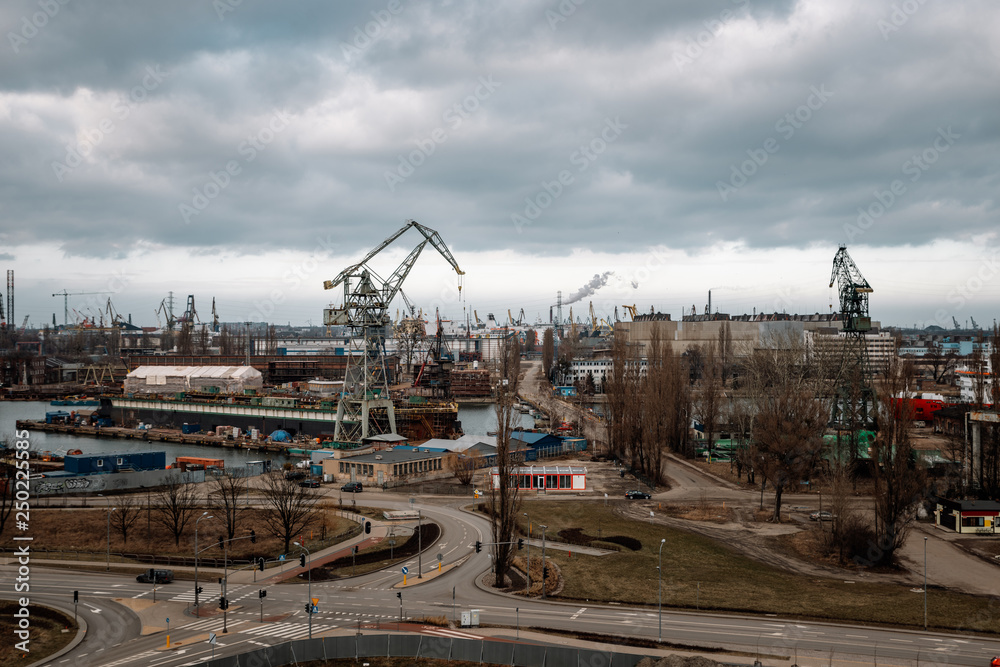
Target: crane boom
854	291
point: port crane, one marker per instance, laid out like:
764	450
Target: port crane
365	407
630	309
854	403
66	295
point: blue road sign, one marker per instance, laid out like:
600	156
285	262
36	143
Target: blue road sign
406	570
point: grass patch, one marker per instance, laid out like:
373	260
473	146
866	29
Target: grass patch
699	572
46	638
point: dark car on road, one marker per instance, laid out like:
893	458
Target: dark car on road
822	516
156	577
352	487
310	484
637	495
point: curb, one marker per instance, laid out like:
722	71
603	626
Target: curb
81	634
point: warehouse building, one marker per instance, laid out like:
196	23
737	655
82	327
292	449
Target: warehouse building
208	379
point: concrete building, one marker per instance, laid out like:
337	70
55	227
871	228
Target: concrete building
391	466
968	516
547	478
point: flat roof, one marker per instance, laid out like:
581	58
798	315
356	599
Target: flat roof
546	470
393	456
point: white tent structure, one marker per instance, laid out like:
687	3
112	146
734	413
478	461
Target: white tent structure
212	379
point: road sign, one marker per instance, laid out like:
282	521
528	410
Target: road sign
281	557
406	570
314	610
211	638
440	558
315	601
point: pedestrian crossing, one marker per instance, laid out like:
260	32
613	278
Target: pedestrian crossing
139	659
212	624
287	630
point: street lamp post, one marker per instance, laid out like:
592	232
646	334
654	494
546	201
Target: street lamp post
925	583
420	548
527	569
659	593
544	569
309	571
110	510
204	515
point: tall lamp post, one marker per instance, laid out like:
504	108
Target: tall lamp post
544	568
204	515
309	570
659	593
527	570
420	548
925	583
110	510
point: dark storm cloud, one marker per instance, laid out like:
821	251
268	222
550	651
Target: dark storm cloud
537	126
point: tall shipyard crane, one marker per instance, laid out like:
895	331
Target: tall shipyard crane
854	403
365	407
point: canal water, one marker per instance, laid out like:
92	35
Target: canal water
476	420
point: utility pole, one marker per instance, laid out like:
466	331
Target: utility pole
247	329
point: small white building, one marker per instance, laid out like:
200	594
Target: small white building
547	478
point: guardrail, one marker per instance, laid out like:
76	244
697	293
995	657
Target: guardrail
425	646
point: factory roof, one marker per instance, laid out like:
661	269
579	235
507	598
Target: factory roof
228	372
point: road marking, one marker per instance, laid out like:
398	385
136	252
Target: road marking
442	632
857	636
905	641
577	614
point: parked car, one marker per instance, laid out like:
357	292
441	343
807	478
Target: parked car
352	487
822	516
310	484
152	576
637	495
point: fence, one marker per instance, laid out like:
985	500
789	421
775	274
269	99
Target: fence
424	646
127	558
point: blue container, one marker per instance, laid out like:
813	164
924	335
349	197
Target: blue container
190	428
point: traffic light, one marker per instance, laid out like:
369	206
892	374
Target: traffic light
479	546
223	604
545	572
76	596
199	590
309	608
368	527
520	543
262	593
302	560
260	563
253	537
399	594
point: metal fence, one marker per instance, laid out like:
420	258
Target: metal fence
425	646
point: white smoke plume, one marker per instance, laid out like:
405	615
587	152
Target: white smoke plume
597	282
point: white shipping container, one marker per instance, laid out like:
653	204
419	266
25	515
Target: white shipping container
236	431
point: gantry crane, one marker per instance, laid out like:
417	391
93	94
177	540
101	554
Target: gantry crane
66	295
853	406
365	407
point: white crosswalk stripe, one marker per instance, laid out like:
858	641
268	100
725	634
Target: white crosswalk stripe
287	630
211	624
140	659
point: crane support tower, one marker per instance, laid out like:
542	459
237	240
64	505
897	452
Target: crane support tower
854	404
365	407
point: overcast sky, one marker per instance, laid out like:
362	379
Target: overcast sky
249	150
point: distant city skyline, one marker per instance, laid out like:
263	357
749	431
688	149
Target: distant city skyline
248	151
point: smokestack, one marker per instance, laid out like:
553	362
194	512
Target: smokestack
559	307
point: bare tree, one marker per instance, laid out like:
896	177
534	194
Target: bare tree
465	469
128	513
505	500
175	504
548	352
707	399
289	506
228	499
899	480
788	420
410	334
